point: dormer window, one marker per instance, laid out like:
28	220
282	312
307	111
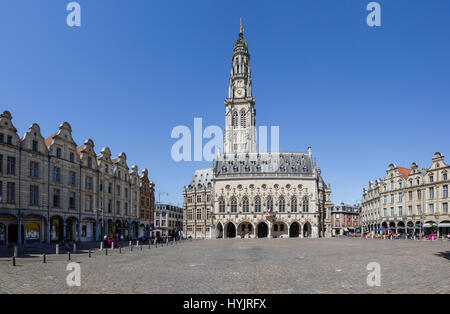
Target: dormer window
58	152
9	140
89	162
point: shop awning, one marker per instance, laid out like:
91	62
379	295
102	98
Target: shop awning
444	225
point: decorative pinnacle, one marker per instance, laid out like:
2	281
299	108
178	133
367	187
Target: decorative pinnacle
241	32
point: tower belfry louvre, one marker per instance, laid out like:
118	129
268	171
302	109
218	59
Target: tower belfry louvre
240	134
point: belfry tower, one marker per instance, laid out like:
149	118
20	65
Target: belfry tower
240	134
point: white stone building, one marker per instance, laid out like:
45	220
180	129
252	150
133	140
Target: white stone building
248	193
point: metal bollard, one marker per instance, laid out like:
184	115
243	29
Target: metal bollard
106	251
137	243
140	247
120	250
131	248
101	246
112	245
89	253
16	251
44	258
129	243
57	249
74	247
68	256
14	261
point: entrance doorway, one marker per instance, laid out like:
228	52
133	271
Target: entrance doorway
294	230
231	230
12	233
263	230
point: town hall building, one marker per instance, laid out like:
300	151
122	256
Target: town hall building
254	194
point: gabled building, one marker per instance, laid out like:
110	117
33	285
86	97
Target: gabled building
51	189
409	200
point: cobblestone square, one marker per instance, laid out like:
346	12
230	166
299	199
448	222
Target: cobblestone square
242	266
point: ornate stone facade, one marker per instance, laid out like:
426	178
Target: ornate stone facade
50	189
251	194
147	206
411	200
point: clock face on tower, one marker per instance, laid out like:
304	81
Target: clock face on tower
239	93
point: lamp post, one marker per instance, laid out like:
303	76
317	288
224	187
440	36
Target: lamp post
103	222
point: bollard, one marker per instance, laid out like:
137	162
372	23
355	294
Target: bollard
44	258
131	248
112	245
89	253
14	261
137	243
120	250
68	256
16	251
74	247
129	243
101	246
140	247
57	249
149	245
106	251
156	244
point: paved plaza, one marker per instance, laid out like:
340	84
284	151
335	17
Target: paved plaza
243	266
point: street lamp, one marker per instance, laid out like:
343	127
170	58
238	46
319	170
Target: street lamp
103	222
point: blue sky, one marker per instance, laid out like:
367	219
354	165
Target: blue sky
361	97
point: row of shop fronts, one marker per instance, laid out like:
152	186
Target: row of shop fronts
440	228
35	228
278	229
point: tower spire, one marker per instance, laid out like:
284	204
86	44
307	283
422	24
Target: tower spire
241	30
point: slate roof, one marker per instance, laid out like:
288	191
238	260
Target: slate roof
201	179
264	163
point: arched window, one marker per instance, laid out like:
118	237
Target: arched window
257	205
221	205
243	119
234	120
270	204
245	205
294	204
305	205
233	205
282	205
